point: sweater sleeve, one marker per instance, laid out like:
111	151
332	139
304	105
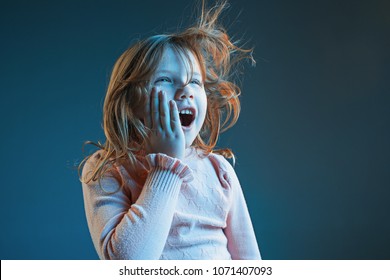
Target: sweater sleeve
122	230
239	231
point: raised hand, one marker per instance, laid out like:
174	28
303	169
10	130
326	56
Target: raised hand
162	118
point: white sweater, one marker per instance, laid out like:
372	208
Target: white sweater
170	209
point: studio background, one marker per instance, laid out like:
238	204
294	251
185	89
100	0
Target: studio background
312	142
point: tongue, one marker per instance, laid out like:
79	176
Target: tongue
185	119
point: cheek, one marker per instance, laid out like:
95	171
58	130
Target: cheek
168	89
204	102
202	107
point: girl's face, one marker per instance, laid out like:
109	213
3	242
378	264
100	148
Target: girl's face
173	76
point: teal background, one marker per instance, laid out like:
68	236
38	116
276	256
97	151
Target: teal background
312	143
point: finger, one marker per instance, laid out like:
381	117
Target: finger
175	119
164	112
147	116
155	115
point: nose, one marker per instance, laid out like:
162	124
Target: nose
184	92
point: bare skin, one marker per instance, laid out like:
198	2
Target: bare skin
166	135
173	93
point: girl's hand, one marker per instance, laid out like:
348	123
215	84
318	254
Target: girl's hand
162	118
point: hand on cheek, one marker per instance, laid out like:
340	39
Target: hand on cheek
166	135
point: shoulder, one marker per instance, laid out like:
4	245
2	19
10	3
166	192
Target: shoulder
220	162
224	170
91	164
93	160
100	166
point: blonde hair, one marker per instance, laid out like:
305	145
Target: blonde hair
209	43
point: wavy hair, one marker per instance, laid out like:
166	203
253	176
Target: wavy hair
209	42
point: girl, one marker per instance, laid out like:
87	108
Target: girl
157	188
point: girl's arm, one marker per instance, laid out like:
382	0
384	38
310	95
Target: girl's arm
239	231
122	230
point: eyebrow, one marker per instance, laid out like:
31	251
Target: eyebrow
163	71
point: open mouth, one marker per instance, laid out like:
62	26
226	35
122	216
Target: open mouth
186	117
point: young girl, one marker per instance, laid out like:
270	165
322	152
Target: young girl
157	189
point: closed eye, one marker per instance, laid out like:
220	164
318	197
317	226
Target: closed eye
197	82
162	80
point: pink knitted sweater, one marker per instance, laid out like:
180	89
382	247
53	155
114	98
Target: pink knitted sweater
172	209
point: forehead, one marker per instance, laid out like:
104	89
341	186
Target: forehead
177	60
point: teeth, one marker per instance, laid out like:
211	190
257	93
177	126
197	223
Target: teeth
186	111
